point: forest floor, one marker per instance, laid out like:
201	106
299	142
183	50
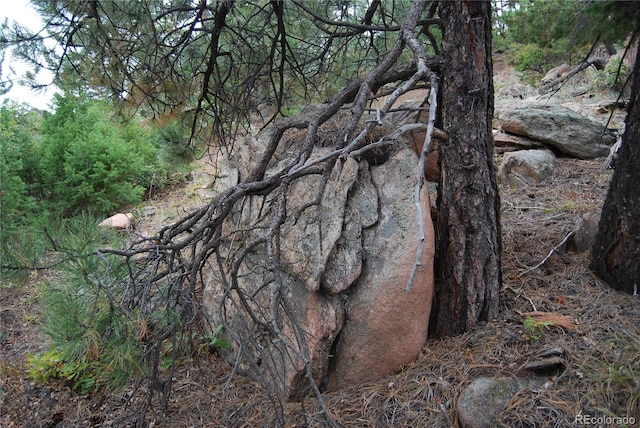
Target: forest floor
595	338
598	372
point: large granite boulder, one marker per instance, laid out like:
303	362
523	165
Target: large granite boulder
347	248
558	128
385	326
556	73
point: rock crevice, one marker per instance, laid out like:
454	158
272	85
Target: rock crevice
338	299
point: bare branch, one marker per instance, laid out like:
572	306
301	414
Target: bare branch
433	95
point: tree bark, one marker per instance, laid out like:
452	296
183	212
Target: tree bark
468	269
616	253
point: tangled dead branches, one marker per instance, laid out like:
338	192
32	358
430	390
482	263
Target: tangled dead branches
167	271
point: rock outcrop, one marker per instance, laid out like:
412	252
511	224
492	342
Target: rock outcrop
504	142
558	128
385	326
347	248
517	90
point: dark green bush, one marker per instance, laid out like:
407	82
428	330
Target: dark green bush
18	153
91	161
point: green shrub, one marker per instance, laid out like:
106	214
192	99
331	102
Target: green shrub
91	161
102	335
17	158
94	338
530	57
21	248
612	77
535	60
21	252
85	158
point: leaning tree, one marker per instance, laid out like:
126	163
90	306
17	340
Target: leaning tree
215	66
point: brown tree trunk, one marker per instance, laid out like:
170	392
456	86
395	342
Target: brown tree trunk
616	253
468	271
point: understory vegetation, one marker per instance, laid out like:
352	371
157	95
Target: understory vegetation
539	35
61	173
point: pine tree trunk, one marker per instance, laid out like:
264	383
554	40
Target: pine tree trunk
468	270
616	253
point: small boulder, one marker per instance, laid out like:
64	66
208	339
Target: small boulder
485	397
556	73
526	167
118	221
584	236
504	142
517	90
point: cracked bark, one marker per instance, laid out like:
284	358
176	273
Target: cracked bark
467	263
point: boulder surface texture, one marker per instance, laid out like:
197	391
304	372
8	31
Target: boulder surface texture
484	398
558	128
347	248
526	167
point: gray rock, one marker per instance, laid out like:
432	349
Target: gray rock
504	142
584	235
517	90
559	128
526	167
484	398
556	73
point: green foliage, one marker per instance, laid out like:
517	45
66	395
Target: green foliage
94	339
18	149
542	23
612	77
48	365
530	57
80	158
612	20
52	365
177	144
538	35
614	370
214	339
101	338
90	160
534	327
531	46
21	251
187	344
20	244
257	55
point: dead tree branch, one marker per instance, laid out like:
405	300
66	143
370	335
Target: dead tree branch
565	77
166	270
